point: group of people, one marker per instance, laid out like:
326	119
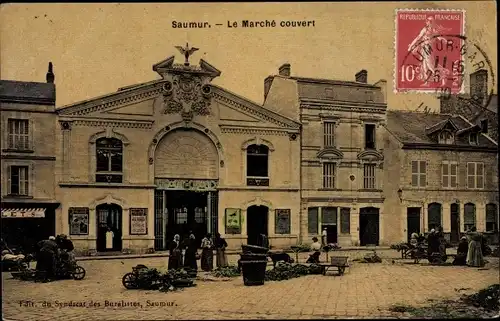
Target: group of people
470	252
53	252
189	258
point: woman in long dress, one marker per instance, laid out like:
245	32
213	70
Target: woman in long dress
174	258
207	254
220	251
190	256
475	255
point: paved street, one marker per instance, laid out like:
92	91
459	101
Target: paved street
366	290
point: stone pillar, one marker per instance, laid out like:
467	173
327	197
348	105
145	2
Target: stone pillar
354	229
244	223
425	217
462	208
446	217
271	222
126	224
92	229
481	217
66	149
381	230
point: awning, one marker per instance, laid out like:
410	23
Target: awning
23	212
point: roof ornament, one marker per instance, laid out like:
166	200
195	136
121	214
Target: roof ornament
186	52
50	74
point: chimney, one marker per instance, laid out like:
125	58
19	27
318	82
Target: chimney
50	75
479	85
284	70
362	76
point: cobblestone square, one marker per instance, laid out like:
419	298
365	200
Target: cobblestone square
366	290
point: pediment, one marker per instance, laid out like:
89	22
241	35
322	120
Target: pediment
232	114
370	155
330	153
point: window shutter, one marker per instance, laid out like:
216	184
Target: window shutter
9	179
31	131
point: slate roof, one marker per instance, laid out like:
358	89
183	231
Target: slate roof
412	127
24	91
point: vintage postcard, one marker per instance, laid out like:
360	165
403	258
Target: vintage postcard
170	161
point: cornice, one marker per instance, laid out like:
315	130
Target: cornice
106	185
257	110
450	147
253	130
350	107
113	100
113	123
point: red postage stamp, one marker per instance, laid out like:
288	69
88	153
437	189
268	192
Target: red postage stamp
429	47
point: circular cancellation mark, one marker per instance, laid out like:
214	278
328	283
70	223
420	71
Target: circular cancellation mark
473	58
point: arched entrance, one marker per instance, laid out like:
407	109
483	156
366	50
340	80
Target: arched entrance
109	218
257	223
186	170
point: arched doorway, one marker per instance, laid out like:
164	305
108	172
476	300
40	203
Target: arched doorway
186	171
257	223
109	218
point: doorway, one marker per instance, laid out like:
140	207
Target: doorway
369	226
455	223
109	218
331	233
257	223
412	221
187	213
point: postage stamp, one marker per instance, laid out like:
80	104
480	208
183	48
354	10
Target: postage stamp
428	54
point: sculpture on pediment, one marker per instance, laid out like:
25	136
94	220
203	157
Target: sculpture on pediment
186	94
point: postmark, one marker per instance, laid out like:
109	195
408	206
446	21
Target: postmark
427	55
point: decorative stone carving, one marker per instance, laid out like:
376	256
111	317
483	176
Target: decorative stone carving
292	136
221	163
186	184
151	160
187	94
65	125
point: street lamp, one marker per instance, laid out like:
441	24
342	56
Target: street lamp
400	195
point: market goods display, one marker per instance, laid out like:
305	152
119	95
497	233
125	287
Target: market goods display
145	278
286	271
226	272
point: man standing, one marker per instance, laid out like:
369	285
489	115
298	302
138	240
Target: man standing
323	237
46	258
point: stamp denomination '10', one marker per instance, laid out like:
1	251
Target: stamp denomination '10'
428	56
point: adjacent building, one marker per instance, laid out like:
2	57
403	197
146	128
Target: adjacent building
443	172
28	160
180	155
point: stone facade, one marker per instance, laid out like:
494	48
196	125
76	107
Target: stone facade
28	160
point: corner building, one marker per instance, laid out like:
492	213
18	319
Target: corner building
175	155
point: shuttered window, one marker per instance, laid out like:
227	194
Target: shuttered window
328	134
418	173
18	134
345	220
329	175
475	175
369	176
312	220
449	174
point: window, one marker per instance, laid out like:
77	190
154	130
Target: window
445	137
475	175
199	215
484	126
418	173
369	176
449	174
329	215
312	220
18	134
257	165
181	215
345	220
109	160
433	215
328	134
18	180
491	218
329	175
369	136
473	138
469	216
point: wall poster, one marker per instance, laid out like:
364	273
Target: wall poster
138	221
282	224
233	221
78	220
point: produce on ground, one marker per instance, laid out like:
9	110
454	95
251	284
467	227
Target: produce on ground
285	271
226	272
371	258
